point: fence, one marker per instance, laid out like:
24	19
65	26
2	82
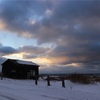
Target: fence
49	79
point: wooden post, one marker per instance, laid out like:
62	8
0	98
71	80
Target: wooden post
48	80
63	83
36	80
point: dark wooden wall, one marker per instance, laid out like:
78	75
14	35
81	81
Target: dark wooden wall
18	71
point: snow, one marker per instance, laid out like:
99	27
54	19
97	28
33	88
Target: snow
27	90
25	62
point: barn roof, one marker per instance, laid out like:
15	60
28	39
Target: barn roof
22	62
25	62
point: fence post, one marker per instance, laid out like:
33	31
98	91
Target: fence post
36	80
48	80
63	83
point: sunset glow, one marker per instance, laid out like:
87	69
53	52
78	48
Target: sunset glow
2	25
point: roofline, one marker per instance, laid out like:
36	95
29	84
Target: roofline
19	63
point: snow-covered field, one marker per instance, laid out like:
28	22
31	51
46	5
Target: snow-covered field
27	90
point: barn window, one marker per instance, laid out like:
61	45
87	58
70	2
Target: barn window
32	72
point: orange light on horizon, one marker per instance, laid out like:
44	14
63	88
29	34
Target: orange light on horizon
2	24
43	60
14	56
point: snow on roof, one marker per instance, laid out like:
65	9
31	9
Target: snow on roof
25	62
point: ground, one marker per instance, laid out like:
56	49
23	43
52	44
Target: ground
27	90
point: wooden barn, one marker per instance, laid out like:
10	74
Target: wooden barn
18	69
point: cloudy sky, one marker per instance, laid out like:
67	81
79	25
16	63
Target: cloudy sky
62	36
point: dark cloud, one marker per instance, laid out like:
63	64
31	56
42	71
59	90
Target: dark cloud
65	16
18	13
85	56
33	49
6	50
67	69
76	8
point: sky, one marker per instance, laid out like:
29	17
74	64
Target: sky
62	36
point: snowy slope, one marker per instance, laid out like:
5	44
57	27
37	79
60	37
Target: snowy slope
27	90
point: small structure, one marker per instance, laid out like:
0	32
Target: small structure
18	69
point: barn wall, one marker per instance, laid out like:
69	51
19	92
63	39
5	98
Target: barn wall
8	69
18	71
